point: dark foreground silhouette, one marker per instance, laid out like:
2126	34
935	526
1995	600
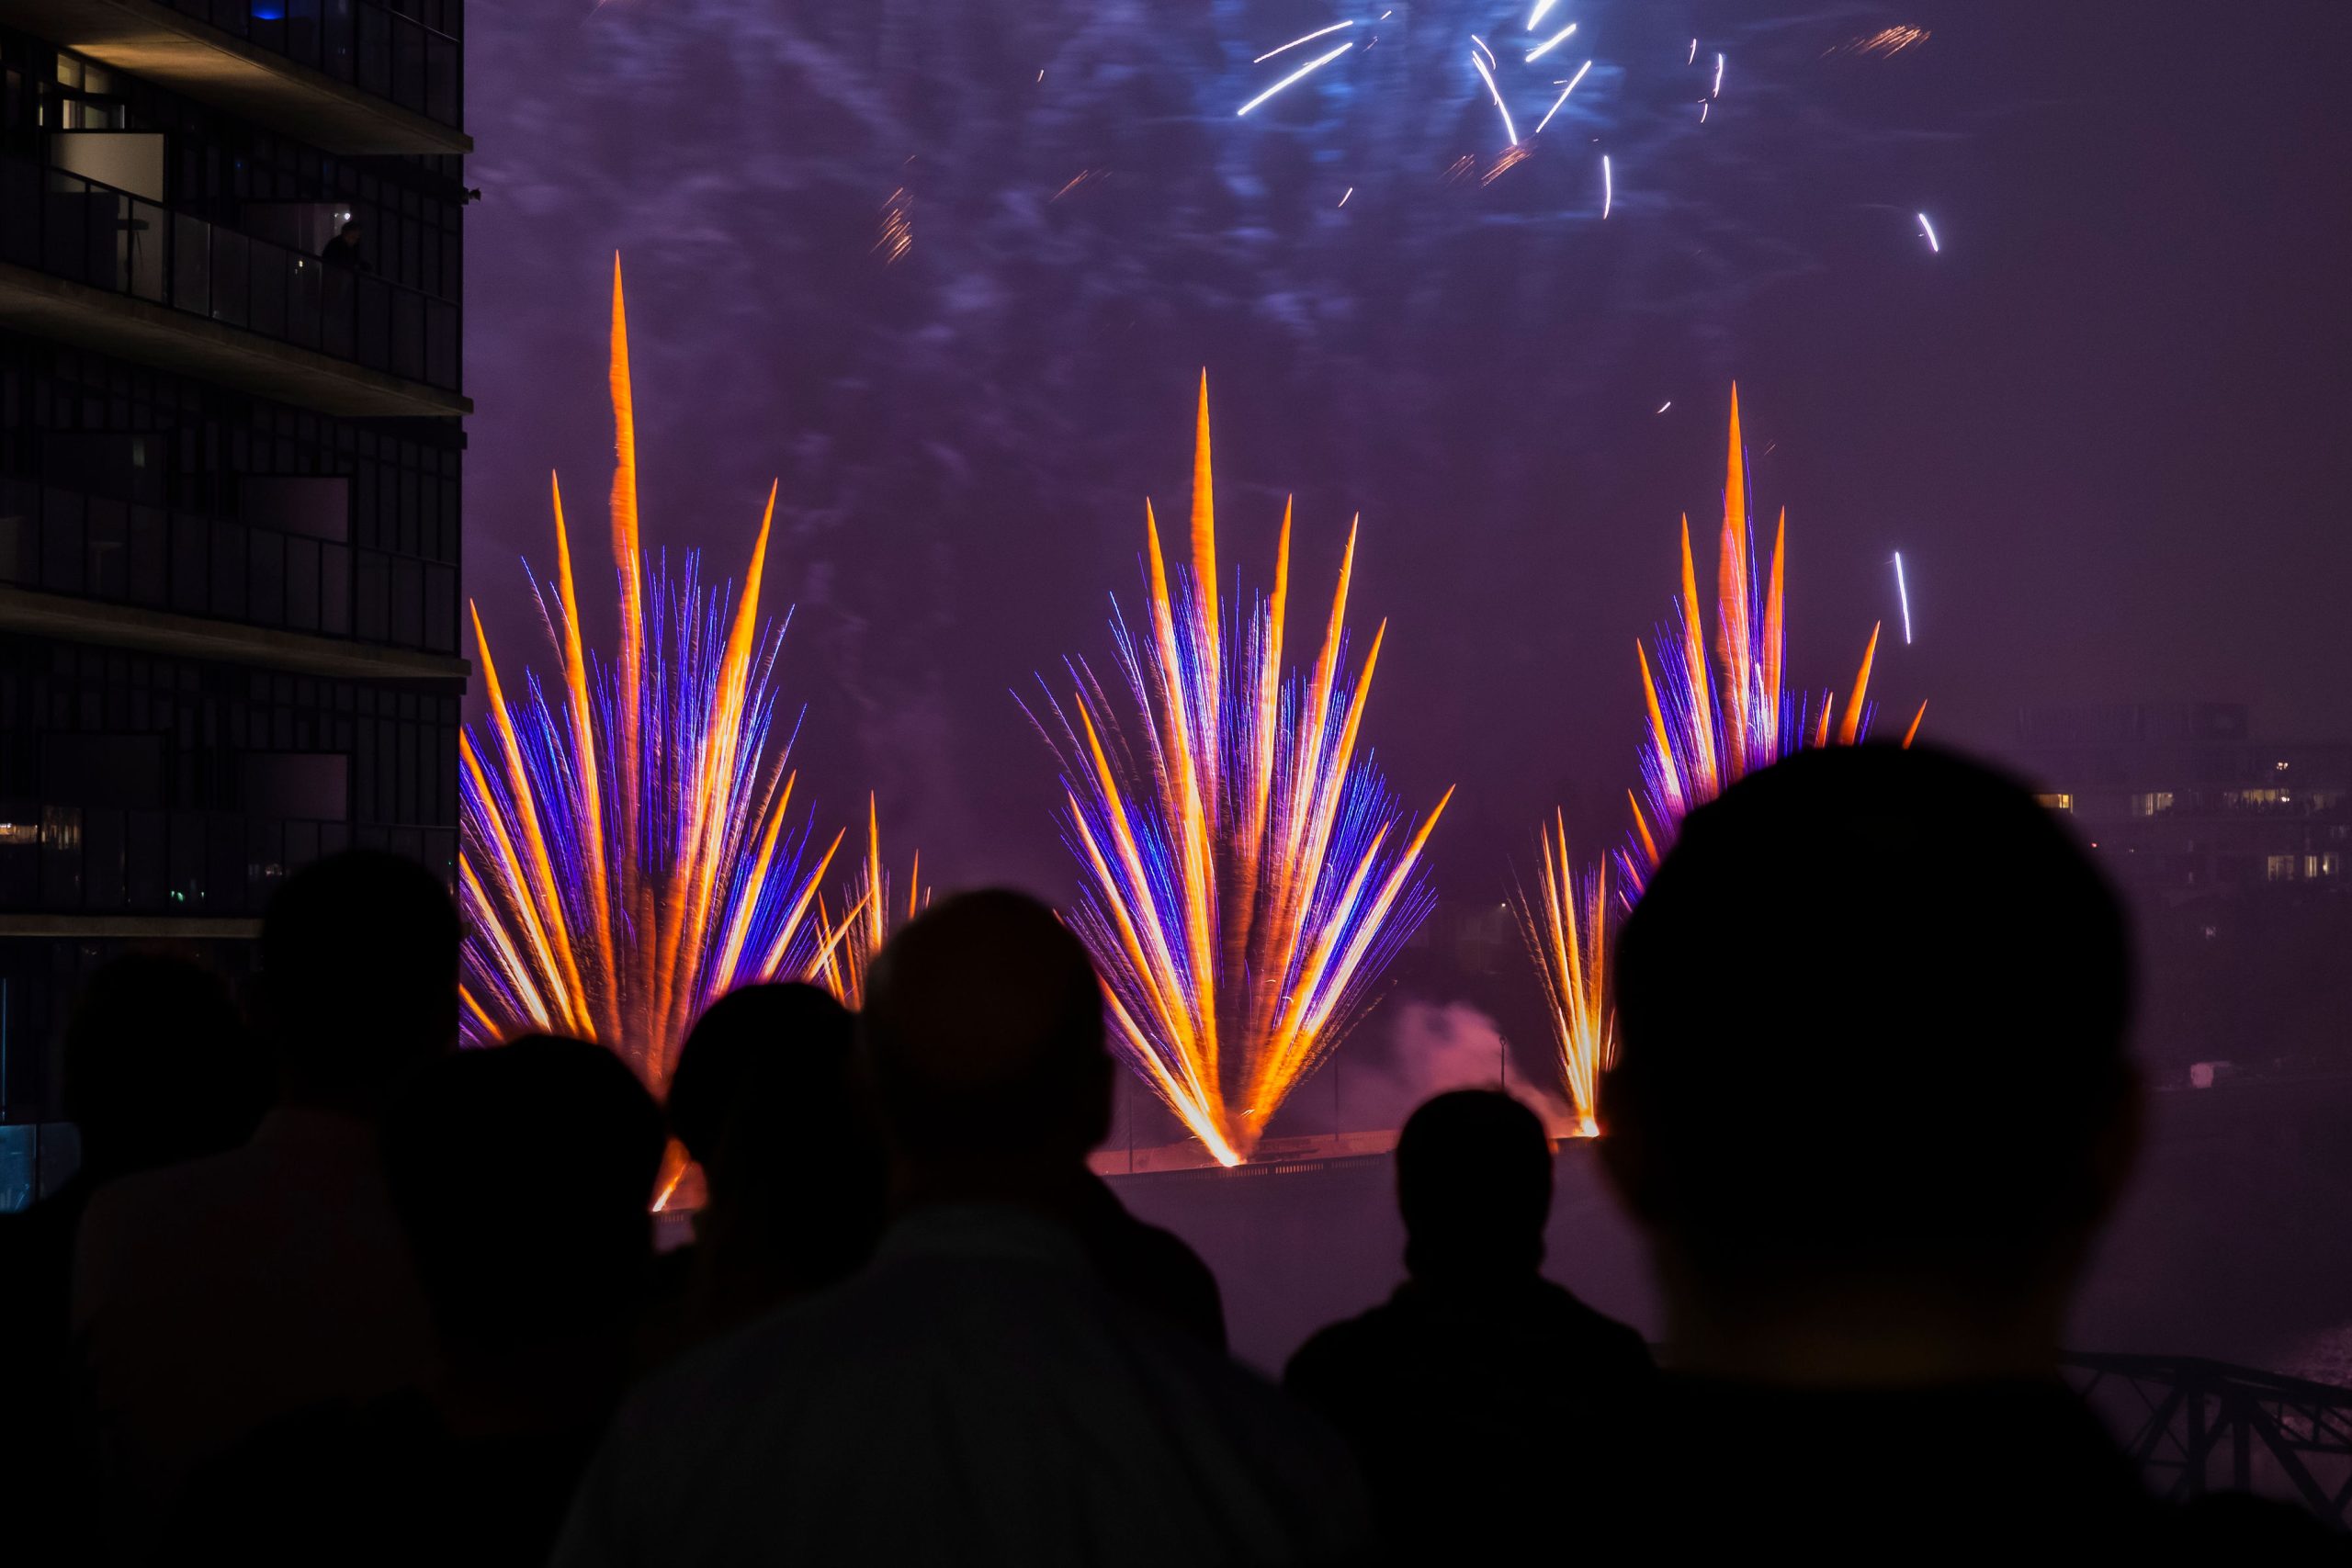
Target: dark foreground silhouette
1871	1110
1478	1377
979	1393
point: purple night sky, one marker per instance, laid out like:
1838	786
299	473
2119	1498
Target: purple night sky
2105	425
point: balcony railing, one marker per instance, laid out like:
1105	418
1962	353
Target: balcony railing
94	235
368	45
71	860
62	541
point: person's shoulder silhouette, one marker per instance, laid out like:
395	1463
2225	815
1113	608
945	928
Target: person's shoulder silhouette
1478	1372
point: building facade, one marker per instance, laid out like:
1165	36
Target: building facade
229	480
2183	801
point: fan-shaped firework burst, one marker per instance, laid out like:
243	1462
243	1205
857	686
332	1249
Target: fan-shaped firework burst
1708	724
626	855
1566	922
1247	874
868	916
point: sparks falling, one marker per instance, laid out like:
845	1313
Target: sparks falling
1713	722
1247	875
627	858
1566	923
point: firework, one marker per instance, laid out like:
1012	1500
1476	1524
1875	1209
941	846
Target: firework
1566	923
1549	44
1903	597
1247	874
627	858
1564	91
1304	72
1928	229
868	916
1710	722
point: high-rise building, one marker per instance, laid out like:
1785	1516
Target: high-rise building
228	478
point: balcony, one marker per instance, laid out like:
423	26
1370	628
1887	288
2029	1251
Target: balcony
73	870
351	76
98	570
99	267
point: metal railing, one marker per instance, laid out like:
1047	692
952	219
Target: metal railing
75	228
110	861
368	45
2194	1426
62	541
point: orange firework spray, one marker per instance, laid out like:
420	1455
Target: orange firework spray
1247	874
627	856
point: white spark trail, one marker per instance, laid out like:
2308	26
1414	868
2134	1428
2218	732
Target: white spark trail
1902	593
1482	45
1608	186
1294	43
1310	67
1508	130
1930	230
1543	9
1563	98
1541	49
1717	90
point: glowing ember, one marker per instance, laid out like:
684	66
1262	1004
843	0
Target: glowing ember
625	859
1243	886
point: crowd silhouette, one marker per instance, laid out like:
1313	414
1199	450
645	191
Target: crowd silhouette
329	1291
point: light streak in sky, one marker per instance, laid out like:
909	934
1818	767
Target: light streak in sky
1694	53
625	859
1704	104
1712	721
1484	50
1343	199
1306	38
1717	90
1508	130
1549	44
1247	876
1543	9
1902	593
1311	67
1563	98
1608	186
1666	405
1566	925
1930	230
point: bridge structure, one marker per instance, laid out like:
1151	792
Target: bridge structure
2195	1426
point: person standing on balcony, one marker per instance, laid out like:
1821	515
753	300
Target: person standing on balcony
342	251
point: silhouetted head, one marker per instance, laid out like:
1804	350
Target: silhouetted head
158	1068
523	1179
792	1042
983	1037
1474	1178
359	977
765	1098
1873	1012
349	233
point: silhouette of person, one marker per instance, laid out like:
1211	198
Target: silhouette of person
524	1180
978	1393
1478	1377
157	1068
1866	1249
763	1101
342	249
212	1296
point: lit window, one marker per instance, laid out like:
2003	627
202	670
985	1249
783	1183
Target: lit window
2255	797
2279	868
2057	802
2330	864
2152	804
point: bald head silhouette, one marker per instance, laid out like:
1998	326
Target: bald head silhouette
983	1037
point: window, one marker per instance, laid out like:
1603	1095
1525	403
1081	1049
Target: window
2279	868
2153	804
2057	802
